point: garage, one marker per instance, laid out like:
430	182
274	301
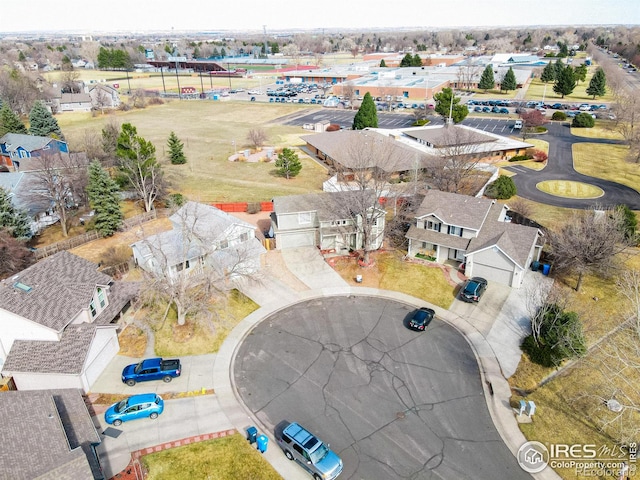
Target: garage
104	347
493	274
491	263
306	238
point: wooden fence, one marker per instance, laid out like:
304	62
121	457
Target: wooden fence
76	241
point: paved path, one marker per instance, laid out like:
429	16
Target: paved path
560	167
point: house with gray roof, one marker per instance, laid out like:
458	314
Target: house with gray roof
47	434
57	323
202	237
477	232
14	147
331	221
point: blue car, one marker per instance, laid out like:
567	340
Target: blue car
504	110
477	109
146	405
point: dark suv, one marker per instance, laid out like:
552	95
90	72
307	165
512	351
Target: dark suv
308	451
473	289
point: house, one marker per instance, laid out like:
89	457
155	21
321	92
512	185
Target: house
104	96
47	434
202	236
57	325
474	231
325	220
14	147
75	102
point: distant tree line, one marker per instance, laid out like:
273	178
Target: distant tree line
114	59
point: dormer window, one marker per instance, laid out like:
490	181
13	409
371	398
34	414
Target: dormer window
435	226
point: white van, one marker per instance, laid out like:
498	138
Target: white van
517	125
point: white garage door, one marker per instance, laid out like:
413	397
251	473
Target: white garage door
493	274
296	239
102	359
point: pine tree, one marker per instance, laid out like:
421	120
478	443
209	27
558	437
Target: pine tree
581	72
549	73
13	219
509	81
367	115
288	163
176	154
383	64
565	82
10	122
443	105
487	81
42	123
597	84
559	67
104	200
406	61
417	61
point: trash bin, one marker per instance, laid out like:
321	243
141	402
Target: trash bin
262	443
535	265
358	278
546	268
252	433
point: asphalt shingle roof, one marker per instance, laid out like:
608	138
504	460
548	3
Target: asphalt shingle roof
61	286
328	205
455	209
29	142
47	434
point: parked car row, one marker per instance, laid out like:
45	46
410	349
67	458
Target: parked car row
502	110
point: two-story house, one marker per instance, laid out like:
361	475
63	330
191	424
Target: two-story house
474	231
333	221
202	237
57	325
103	96
14	147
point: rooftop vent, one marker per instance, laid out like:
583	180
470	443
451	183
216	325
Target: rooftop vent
22	286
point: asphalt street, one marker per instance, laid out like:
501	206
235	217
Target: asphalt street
393	403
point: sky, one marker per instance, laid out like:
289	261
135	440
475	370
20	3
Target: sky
89	16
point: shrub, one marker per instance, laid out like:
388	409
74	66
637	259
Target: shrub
520	158
560	116
421	122
333	127
540	156
155	101
583	120
174	200
502	188
540	130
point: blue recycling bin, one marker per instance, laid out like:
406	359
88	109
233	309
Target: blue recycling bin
535	266
263	440
252	433
546	268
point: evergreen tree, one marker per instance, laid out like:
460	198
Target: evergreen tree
13	219
629	223
288	163
565	82
367	115
549	73
176	154
417	61
597	84
509	81
42	123
487	81
10	122
581	72
559	67
104	200
406	61
383	64
443	105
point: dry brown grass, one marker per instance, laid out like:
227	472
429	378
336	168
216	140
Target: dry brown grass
133	342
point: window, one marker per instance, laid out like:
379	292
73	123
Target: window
101	297
92	308
224	244
457	231
244	237
181	266
297	448
435	226
304	217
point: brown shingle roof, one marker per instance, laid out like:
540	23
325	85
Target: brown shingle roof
455	209
61	286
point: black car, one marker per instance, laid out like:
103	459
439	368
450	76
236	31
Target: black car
421	318
473	289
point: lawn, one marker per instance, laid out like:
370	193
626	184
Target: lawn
569	189
602	129
537	91
607	162
209	131
227	458
390	272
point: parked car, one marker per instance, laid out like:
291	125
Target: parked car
473	289
146	405
421	319
151	369
308	451
518	125
477	109
504	110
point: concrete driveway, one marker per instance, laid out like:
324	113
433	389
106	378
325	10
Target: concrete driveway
392	403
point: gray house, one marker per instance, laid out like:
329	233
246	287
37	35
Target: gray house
476	232
47	434
57	325
202	237
325	220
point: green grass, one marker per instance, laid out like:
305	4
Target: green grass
602	129
607	162
208	130
537	91
228	458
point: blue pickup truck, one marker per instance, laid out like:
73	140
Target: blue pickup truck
151	369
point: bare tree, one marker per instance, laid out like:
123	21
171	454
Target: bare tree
257	137
14	255
59	180
195	263
588	242
530	120
458	158
70	81
469	74
348	92
101	99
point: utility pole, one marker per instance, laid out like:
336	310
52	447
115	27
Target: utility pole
266	45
